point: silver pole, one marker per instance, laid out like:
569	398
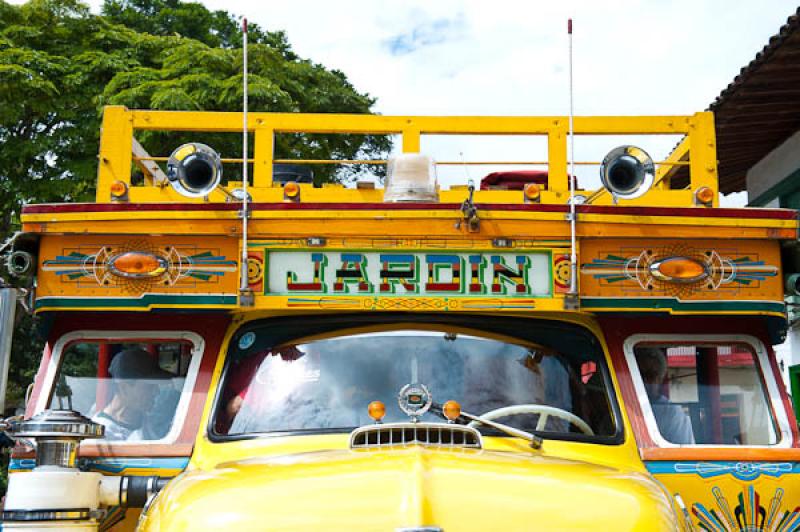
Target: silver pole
573	277
8	307
243	291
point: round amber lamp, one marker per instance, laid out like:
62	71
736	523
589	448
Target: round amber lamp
451	410
118	189
376	410
704	195
291	190
532	192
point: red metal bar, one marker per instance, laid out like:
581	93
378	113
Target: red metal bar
708	379
103	361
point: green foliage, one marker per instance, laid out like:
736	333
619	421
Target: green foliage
59	64
218	29
26	351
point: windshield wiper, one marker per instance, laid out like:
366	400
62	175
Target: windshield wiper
535	441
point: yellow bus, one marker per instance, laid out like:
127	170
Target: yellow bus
523	354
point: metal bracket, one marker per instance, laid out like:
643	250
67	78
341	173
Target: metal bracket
571	302
470	212
246	298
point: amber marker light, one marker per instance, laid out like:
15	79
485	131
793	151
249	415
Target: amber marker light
451	410
532	192
137	265
679	270
291	190
376	410
118	190
704	195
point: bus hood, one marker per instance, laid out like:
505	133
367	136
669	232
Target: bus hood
411	487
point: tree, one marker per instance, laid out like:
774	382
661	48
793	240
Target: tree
59	64
192	20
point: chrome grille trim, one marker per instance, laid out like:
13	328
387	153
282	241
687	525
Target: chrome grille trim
401	434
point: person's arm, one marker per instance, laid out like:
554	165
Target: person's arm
234	405
673	423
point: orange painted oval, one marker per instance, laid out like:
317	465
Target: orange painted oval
679	270
137	265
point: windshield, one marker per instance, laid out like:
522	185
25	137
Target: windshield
326	382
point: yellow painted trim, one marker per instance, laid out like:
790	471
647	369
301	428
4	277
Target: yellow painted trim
454	214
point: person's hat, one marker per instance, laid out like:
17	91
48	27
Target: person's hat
136	363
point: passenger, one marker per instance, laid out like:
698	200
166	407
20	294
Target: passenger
133	372
673	423
263	385
516	375
304	389
244	372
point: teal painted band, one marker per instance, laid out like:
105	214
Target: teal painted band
146	300
111	465
744	470
634	304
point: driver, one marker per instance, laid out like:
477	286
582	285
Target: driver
135	378
673	423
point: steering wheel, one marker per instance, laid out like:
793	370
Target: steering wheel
545	412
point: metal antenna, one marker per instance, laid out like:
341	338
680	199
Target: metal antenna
245	296
572	295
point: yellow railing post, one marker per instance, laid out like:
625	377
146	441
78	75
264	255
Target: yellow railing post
116	151
263	154
703	150
557	157
411	138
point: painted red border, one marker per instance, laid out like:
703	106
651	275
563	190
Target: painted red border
210	326
617	328
702	212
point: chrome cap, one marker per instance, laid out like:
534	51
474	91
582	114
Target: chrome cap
66	424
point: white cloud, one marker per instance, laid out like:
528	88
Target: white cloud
504	57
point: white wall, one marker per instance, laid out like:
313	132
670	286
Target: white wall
774	167
788	353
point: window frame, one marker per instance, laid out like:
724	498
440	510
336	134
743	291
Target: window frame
118	336
365	323
761	359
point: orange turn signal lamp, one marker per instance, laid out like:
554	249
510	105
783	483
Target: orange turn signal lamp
679	270
137	265
451	410
376	410
119	190
532	193
704	195
291	191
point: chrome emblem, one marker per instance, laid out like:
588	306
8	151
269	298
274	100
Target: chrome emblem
414	400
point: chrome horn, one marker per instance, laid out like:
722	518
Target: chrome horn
627	172
194	170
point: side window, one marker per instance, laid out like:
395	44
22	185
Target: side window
710	394
133	389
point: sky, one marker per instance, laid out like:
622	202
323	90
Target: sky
499	57
447	57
